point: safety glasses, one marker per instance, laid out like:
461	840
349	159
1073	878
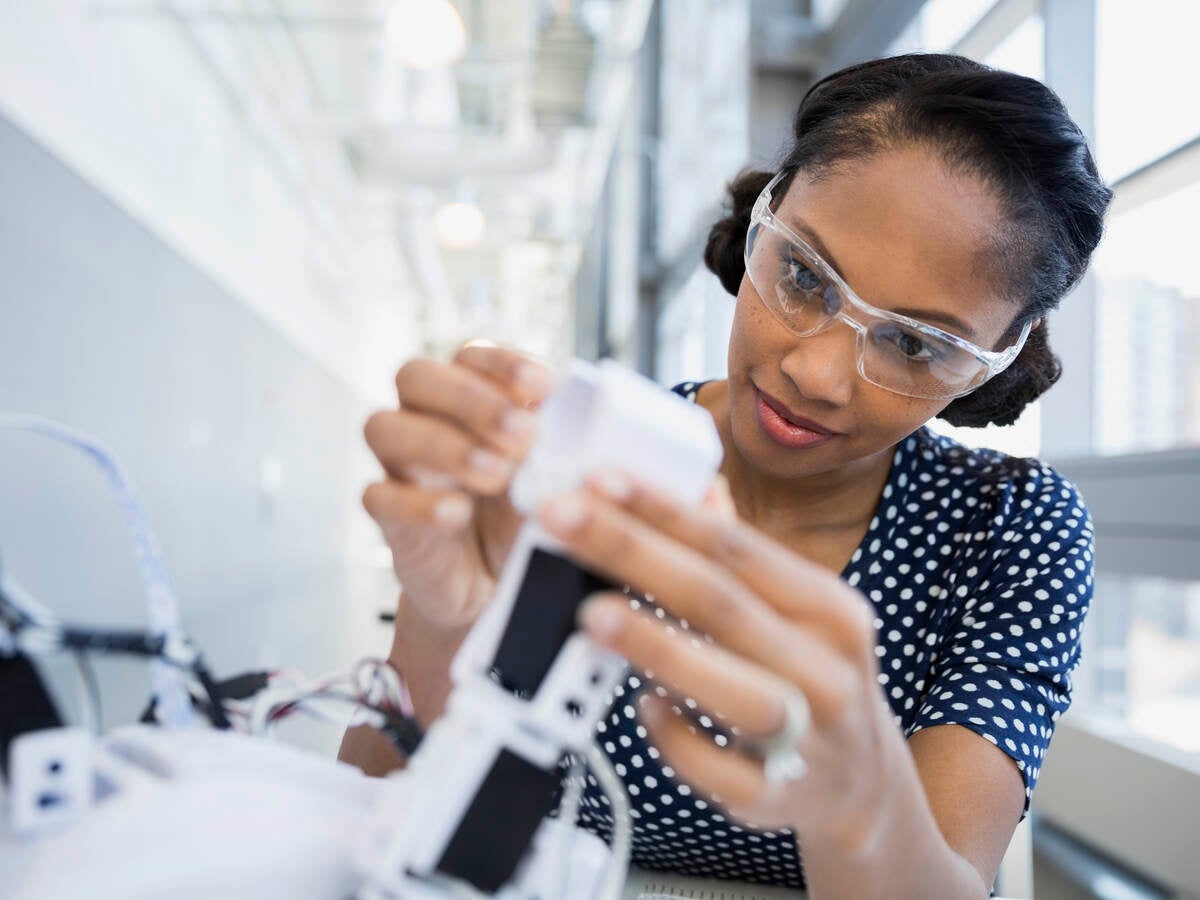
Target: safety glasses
895	352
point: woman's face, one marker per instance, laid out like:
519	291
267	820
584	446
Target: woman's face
907	236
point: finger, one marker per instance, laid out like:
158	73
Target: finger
740	692
405	442
719	499
524	379
469	400
731	779
393	503
613	542
796	587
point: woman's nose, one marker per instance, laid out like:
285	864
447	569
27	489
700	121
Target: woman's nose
824	366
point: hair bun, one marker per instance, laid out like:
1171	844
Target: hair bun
1002	400
724	254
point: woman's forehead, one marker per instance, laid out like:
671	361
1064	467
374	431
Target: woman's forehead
905	232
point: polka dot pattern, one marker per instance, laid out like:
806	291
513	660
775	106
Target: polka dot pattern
979	566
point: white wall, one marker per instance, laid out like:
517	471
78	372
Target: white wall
127	102
164	286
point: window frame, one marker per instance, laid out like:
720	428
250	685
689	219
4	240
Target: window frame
1144	525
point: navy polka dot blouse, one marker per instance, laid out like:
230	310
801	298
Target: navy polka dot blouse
979	566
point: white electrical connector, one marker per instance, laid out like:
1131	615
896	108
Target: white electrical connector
50	779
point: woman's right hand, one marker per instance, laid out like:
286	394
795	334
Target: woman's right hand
449	453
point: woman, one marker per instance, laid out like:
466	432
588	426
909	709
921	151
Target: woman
940	210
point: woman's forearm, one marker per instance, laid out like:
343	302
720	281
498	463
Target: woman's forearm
422	656
901	855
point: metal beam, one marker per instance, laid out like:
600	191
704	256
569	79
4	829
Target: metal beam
1069	408
863	30
671	275
997	23
785	43
649	297
1157	179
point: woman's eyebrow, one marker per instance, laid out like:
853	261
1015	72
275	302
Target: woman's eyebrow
933	316
953	322
805	230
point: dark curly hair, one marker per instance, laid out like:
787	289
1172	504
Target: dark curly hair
1012	132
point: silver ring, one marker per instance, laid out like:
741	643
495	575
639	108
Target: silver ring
782	762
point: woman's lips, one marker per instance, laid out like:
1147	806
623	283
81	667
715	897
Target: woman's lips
787	430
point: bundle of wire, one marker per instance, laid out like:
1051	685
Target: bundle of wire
371	685
168	682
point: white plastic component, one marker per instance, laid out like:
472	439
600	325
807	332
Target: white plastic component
420	811
194	814
50	778
601	416
582	674
609	416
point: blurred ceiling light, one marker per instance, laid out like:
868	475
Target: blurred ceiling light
425	33
459	226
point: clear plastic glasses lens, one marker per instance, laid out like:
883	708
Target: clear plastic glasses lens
892	354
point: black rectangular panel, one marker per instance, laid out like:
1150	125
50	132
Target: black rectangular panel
498	827
543	617
25	704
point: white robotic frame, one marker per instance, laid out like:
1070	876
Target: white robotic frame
188	811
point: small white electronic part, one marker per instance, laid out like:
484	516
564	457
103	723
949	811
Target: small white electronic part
607	416
199	813
50	779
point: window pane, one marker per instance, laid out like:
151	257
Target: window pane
1145	81
1141	663
1022	51
1147	327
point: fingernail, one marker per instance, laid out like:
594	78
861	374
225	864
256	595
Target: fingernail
487	462
452	511
565	513
532	379
600	619
614	484
519	424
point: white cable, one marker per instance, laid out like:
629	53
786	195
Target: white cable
622	831
26	603
168	682
568	812
41	633
383	686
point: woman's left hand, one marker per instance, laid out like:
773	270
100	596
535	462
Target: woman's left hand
778	623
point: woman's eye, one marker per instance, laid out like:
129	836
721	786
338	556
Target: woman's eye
801	276
911	346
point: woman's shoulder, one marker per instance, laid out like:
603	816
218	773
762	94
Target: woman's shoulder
1017	485
688	389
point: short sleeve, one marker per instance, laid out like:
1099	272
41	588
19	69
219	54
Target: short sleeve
1004	662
